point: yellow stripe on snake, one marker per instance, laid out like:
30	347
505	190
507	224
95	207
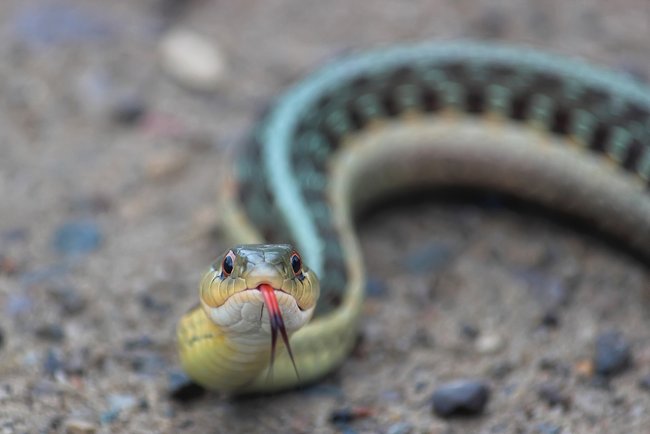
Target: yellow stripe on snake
549	130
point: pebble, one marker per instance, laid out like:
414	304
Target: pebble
555	366
553	395
77	237
77	361
50	332
400	428
501	370
8	265
119	402
148	364
52	364
150	303
551	291
469	331
644	383
128	110
69	299
79	426
550	318
2	338
181	388
490	343
138	343
429	259
613	353
349	414
460	397
18	304
192	60
584	368
166	164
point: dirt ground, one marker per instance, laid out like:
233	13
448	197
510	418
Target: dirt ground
107	183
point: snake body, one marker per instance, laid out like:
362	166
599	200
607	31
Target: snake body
555	131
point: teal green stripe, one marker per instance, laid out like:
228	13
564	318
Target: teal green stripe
283	120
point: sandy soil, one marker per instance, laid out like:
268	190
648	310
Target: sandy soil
94	135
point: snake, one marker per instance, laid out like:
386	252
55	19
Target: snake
281	308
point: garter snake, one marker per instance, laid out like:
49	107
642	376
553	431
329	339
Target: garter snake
555	131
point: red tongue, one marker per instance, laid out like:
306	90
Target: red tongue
277	323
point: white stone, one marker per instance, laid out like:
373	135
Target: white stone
192	60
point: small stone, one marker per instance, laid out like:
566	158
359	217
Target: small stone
8	265
547	428
50	332
52	364
349	414
460	397
182	388
119	402
192	60
469	331
490	343
18	304
550	319
429	259
613	353
150	303
109	417
148	364
128	110
553	395
77	237
166	164
555	366
69	299
644	383
551	291
2	338
79	426
400	428
584	368
138	343
501	370
77	361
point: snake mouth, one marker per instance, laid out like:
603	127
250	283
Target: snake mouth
276	323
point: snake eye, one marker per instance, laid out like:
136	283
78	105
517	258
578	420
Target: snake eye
296	264
228	264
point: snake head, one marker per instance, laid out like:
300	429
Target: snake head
231	291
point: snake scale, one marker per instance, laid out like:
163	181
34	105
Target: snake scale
550	130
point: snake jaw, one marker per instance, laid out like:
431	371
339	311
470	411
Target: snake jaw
239	316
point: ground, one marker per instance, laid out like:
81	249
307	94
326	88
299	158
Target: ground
108	173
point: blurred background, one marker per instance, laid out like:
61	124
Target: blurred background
114	120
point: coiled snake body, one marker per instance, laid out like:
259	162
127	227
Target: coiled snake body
554	131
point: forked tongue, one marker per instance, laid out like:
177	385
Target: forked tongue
277	323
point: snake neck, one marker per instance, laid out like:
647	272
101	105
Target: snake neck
217	359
